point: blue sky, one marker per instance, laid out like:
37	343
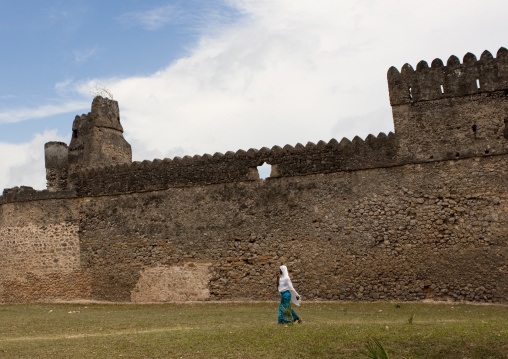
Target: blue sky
46	45
196	76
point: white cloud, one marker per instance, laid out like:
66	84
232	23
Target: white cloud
83	55
152	19
23	164
63	84
63	88
201	16
293	71
22	114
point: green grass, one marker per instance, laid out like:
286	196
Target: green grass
249	330
375	350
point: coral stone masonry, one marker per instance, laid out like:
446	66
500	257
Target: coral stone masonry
421	213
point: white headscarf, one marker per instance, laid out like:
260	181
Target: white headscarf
285	284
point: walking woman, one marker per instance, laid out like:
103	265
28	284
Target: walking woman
288	295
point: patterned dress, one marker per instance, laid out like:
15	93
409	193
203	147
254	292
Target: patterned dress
286	313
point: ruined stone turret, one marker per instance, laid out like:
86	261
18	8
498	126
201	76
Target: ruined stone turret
97	141
56	155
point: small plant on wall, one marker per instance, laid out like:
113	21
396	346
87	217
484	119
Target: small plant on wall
102	91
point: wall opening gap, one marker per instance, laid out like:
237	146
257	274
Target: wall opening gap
442	89
410	94
75	133
264	170
477	83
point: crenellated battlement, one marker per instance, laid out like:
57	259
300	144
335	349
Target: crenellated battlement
456	79
239	166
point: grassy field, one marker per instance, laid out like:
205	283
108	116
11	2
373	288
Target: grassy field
249	330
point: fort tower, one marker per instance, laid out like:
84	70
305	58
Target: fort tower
97	141
454	111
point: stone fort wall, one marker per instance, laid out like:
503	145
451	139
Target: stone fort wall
421	213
